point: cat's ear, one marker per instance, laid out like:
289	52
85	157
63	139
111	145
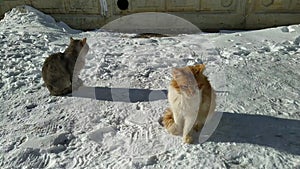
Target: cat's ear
71	39
176	72
83	41
200	68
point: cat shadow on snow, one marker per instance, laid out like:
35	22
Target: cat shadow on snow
280	134
267	131
129	95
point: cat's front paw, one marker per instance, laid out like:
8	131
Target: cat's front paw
187	139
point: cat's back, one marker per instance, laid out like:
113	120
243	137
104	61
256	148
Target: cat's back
53	58
54	64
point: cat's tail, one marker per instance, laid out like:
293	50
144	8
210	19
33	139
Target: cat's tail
167	120
169	123
167	115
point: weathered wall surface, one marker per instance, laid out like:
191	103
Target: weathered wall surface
206	14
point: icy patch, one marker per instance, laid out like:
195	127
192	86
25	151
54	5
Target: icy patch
54	142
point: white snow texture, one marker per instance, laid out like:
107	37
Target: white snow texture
113	121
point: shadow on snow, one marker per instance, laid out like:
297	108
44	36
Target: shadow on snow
120	94
277	133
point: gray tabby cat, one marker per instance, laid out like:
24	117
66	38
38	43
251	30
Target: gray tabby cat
61	70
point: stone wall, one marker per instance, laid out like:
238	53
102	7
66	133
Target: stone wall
206	14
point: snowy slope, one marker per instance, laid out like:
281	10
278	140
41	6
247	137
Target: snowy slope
112	121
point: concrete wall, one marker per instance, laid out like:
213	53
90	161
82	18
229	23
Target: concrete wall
206	14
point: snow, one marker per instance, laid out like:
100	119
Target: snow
112	122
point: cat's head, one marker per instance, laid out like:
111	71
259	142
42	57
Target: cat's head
186	79
79	45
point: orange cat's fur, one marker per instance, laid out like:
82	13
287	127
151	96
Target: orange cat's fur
191	99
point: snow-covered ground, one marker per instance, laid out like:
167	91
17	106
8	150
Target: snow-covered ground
113	121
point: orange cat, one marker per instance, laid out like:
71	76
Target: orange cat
191	99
